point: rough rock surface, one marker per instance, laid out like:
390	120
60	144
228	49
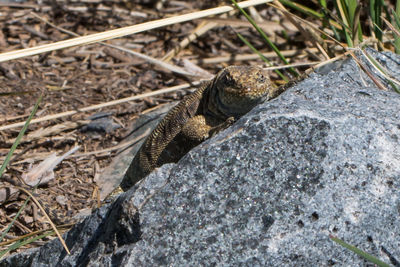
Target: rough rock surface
320	159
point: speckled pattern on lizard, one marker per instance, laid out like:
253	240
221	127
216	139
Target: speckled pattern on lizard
214	106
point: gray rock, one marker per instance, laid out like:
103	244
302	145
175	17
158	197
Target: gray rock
320	159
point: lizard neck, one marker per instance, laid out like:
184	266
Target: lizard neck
212	104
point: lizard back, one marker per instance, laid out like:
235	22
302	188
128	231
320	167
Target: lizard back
147	158
213	107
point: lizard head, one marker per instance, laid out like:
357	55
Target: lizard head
237	89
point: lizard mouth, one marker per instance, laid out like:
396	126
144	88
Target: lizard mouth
238	105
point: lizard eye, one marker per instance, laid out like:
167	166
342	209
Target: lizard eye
261	78
229	81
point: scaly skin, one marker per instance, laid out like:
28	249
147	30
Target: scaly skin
213	107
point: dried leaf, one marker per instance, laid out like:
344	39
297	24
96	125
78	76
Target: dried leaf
43	172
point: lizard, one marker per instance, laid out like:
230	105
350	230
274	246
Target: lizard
213	107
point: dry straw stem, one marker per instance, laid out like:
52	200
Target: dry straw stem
106	151
50	131
16	222
102	105
103	36
163	65
378	68
237	57
312	26
47	216
61	227
395	31
305	33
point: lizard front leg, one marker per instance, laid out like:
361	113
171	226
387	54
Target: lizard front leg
200	127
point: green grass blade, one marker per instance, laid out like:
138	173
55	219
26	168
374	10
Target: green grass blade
303	9
21	133
381	69
14	246
396	24
356	33
261	55
6	161
359	252
14	219
353	10
351	7
265	37
348	16
24	242
326	21
344	21
375	11
323	3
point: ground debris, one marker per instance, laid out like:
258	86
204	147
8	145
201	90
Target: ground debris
78	77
